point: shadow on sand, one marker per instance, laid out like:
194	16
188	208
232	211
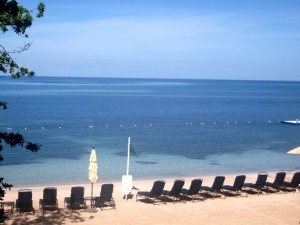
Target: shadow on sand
64	217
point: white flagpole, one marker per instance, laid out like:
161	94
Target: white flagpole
128	156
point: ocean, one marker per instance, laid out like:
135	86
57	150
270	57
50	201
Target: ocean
178	128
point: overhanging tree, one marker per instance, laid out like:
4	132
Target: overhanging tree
16	18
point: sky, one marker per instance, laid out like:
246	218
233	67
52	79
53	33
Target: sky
194	39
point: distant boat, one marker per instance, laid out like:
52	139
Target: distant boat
293	122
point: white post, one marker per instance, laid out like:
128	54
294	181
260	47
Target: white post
128	156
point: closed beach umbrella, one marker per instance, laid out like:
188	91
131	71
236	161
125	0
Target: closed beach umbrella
294	151
93	170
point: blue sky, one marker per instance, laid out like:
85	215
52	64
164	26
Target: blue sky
216	39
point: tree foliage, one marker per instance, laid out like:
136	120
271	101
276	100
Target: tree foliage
18	19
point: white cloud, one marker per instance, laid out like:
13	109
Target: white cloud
117	35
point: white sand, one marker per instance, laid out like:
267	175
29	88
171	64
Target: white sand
254	209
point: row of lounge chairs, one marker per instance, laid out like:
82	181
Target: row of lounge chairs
197	191
76	200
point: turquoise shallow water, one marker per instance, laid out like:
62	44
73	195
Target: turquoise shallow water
178	127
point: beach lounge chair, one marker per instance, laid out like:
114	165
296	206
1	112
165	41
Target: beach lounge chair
278	183
24	201
237	186
2	217
155	193
293	185
76	199
260	183
49	201
175	192
106	199
194	189
216	188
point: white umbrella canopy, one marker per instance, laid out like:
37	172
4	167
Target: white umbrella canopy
294	151
93	167
93	171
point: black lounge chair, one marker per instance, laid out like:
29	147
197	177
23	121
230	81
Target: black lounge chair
260	183
24	201
76	200
293	185
194	189
278	183
106	199
155	193
2	216
49	201
175	192
237	186
216	188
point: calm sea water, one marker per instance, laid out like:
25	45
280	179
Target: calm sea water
178	128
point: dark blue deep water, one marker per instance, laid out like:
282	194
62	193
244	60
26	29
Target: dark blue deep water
177	127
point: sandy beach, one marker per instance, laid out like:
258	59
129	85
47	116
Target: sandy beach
263	209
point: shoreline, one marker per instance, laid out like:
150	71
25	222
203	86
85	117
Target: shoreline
147	179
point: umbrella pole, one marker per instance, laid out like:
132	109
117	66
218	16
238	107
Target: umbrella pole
92	195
